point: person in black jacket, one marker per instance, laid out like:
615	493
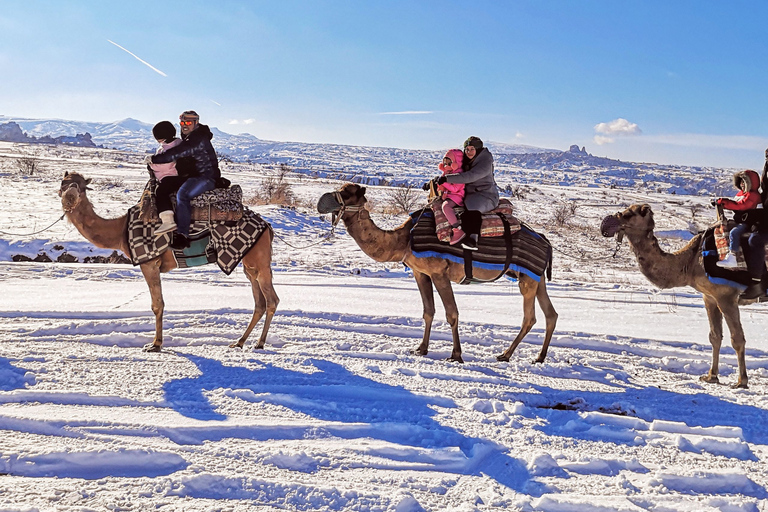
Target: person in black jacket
196	145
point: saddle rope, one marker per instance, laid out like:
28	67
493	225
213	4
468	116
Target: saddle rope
35	232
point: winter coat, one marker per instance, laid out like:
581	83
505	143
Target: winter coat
169	169
196	145
480	193
452	191
743	200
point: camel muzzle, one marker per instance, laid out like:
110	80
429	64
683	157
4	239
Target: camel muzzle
610	226
328	203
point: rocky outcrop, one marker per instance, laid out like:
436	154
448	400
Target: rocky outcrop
11	132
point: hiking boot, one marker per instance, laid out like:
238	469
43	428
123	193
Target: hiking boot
458	236
753	291
729	261
470	243
180	241
168	223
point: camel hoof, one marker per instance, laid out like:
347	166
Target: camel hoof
538	361
456	359
419	352
151	347
709	379
235	345
739	385
502	357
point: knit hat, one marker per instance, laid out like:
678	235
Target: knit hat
456	156
474	141
189	115
164	130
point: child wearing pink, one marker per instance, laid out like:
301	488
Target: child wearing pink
168	178
452	194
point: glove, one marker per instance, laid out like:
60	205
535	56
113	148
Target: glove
426	186
148	160
440	180
716	201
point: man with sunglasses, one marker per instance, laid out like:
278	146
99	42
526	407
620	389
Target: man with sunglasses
195	146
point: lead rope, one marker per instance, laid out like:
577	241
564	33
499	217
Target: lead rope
36	232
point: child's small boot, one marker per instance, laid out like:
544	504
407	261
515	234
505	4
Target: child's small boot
729	261
458	235
168	223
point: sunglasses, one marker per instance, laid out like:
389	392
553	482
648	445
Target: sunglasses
187	123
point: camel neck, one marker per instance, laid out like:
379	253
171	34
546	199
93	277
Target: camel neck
379	244
665	270
103	233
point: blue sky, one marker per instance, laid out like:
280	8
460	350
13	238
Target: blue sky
655	81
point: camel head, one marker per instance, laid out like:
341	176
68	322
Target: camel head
349	198
72	190
637	219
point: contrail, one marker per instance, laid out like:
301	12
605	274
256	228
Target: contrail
216	103
137	58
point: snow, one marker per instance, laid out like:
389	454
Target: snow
336	413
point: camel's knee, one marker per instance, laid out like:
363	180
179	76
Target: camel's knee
452	318
158	308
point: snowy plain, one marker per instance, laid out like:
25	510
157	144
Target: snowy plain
336	413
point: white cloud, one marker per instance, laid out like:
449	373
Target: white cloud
406	113
244	121
233	121
618	126
519	136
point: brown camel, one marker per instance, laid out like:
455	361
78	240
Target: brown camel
111	234
394	246
683	268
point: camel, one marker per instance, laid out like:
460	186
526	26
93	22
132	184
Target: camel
111	234
683	268
393	246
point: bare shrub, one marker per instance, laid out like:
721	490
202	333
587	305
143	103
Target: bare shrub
403	199
517	191
28	164
112	182
563	213
275	189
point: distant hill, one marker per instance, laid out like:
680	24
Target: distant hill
380	165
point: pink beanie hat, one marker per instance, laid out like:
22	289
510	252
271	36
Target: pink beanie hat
456	156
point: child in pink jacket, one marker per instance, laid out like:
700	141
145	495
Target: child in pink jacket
168	179
452	194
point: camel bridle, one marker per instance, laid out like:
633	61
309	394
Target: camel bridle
344	208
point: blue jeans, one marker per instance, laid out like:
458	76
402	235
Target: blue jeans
734	238
756	254
191	188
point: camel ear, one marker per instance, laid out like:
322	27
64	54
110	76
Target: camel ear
88	181
66	173
644	210
361	192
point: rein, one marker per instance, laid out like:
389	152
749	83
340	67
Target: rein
66	211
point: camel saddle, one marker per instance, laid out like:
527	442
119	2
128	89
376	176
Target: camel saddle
520	249
492	222
714	247
217	205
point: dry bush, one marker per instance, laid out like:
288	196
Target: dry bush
563	213
403	199
28	164
275	190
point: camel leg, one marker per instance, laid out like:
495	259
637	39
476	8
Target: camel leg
443	285
528	288
715	318
549	314
151	271
428	300
732	316
259	273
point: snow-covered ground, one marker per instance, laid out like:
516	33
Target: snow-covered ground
336	413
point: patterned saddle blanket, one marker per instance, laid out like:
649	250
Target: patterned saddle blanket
529	252
224	243
217	205
492	223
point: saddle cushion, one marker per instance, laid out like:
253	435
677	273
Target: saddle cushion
710	253
217	205
492	225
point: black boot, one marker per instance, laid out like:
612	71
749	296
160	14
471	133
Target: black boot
180	241
469	242
753	291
